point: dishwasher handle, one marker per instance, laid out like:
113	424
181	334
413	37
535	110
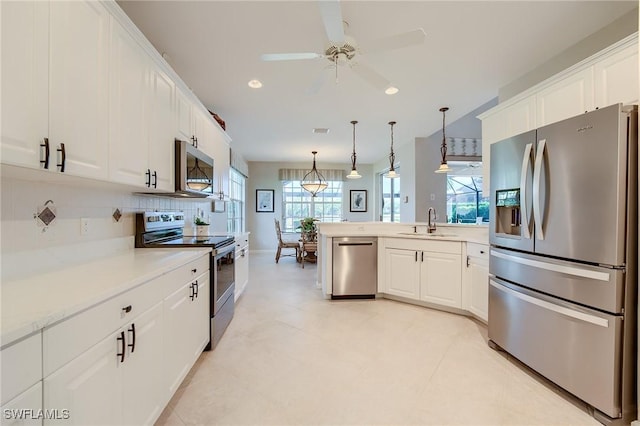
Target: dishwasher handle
370	243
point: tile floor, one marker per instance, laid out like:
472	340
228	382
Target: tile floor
291	357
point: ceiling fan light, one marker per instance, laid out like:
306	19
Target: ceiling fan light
255	84
391	90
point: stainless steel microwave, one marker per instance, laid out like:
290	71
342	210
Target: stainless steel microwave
193	171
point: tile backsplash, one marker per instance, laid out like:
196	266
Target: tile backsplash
84	217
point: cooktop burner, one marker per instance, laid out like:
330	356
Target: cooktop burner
208	241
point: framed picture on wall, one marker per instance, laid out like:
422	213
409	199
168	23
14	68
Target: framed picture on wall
358	201
264	200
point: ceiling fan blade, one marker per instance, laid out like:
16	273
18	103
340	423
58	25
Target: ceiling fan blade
332	18
397	41
289	56
370	76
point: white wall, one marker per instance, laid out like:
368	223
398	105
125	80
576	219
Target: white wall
264	175
21	234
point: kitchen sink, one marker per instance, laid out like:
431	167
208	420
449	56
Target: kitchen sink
435	235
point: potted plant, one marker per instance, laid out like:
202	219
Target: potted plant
308	228
202	227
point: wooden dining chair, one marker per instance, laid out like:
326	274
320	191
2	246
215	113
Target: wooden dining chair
285	244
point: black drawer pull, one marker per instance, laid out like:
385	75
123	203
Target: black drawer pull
132	330
192	292
155	179
121	354
127	309
195	289
481	251
63	157
45	162
194	270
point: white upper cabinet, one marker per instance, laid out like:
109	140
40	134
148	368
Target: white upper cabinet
128	110
617	78
78	87
141	116
183	114
571	96
162	121
25	83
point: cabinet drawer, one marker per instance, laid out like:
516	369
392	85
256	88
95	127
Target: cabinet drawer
21	366
68	339
453	247
184	274
478	250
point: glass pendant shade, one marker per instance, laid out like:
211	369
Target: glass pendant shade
354	173
197	179
392	174
313	181
444	167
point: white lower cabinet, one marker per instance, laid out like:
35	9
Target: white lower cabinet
424	270
402	273
440	279
476	280
25	409
186	313
117	381
241	265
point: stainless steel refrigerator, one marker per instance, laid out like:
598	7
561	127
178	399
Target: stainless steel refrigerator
563	234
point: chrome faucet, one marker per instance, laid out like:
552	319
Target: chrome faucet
431	226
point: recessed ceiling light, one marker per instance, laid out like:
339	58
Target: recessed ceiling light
255	84
320	130
391	90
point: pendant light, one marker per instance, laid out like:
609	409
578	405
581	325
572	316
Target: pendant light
354	173
391	174
313	181
197	179
444	167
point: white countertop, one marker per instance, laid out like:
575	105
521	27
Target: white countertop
32	303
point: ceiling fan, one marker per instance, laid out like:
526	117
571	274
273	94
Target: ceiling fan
343	49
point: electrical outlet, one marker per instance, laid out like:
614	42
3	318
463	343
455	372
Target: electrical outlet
433	197
84	226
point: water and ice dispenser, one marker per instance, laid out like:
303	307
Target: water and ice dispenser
508	212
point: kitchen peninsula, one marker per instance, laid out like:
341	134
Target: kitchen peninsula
446	269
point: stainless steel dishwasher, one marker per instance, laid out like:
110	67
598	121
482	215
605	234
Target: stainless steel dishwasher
355	268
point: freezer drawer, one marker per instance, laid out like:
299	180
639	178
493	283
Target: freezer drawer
577	348
355	267
594	286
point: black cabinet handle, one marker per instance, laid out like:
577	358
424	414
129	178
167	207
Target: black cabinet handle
121	354
481	251
192	292
127	309
194	141
45	162
416	256
468	259
422	260
148	176
195	288
194	270
132	330
63	157
155	179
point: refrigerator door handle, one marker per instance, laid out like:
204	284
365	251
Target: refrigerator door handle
537	171
526	163
581	316
562	269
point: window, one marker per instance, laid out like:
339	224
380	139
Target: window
298	204
390	210
465	202
236	204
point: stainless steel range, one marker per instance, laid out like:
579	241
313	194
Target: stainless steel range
165	230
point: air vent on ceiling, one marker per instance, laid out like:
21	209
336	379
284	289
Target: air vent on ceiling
321	130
